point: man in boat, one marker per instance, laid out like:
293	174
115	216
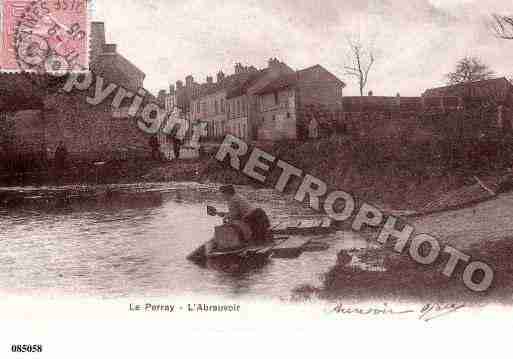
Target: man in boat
240	210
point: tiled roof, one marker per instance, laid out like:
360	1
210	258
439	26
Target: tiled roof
229	83
118	69
240	88
282	82
291	80
311	68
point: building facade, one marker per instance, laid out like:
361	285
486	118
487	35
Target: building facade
285	104
229	105
98	132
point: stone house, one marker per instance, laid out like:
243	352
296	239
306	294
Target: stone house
40	114
229	105
243	118
209	105
283	104
101	131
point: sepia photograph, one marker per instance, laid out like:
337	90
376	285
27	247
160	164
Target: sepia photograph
195	166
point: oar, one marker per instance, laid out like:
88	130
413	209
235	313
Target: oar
283	240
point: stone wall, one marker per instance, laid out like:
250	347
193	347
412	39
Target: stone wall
91	132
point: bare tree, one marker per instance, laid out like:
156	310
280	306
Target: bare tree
361	59
469	69
502	26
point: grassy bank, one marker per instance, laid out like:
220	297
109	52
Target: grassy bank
388	175
401	279
399	176
483	231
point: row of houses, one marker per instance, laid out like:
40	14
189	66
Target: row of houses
278	103
270	104
256	104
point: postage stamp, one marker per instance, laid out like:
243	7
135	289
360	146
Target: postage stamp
45	35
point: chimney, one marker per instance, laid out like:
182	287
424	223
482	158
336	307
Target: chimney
97	40
220	76
189	80
371	93
179	85
273	63
210	80
171	89
109	49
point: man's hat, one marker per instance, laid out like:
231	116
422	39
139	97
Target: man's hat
228	189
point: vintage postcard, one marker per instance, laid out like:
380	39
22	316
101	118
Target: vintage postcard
260	177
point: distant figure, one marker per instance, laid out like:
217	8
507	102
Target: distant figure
177	142
61	156
241	210
177	145
154	145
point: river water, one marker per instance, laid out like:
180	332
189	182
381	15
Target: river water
132	241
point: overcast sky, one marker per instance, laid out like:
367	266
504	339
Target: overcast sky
418	40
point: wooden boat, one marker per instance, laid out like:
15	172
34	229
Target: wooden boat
285	241
248	256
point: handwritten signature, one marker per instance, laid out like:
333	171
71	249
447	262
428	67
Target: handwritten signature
434	311
427	313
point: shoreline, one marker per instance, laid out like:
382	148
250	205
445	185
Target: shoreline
401	279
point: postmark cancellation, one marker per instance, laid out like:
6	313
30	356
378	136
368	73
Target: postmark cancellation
45	36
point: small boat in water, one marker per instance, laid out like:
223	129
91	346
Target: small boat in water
285	241
242	257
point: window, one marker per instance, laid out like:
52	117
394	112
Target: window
288	114
276	98
238	107
222	105
216	108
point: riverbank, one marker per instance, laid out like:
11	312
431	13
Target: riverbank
483	231
401	183
384	176
398	278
